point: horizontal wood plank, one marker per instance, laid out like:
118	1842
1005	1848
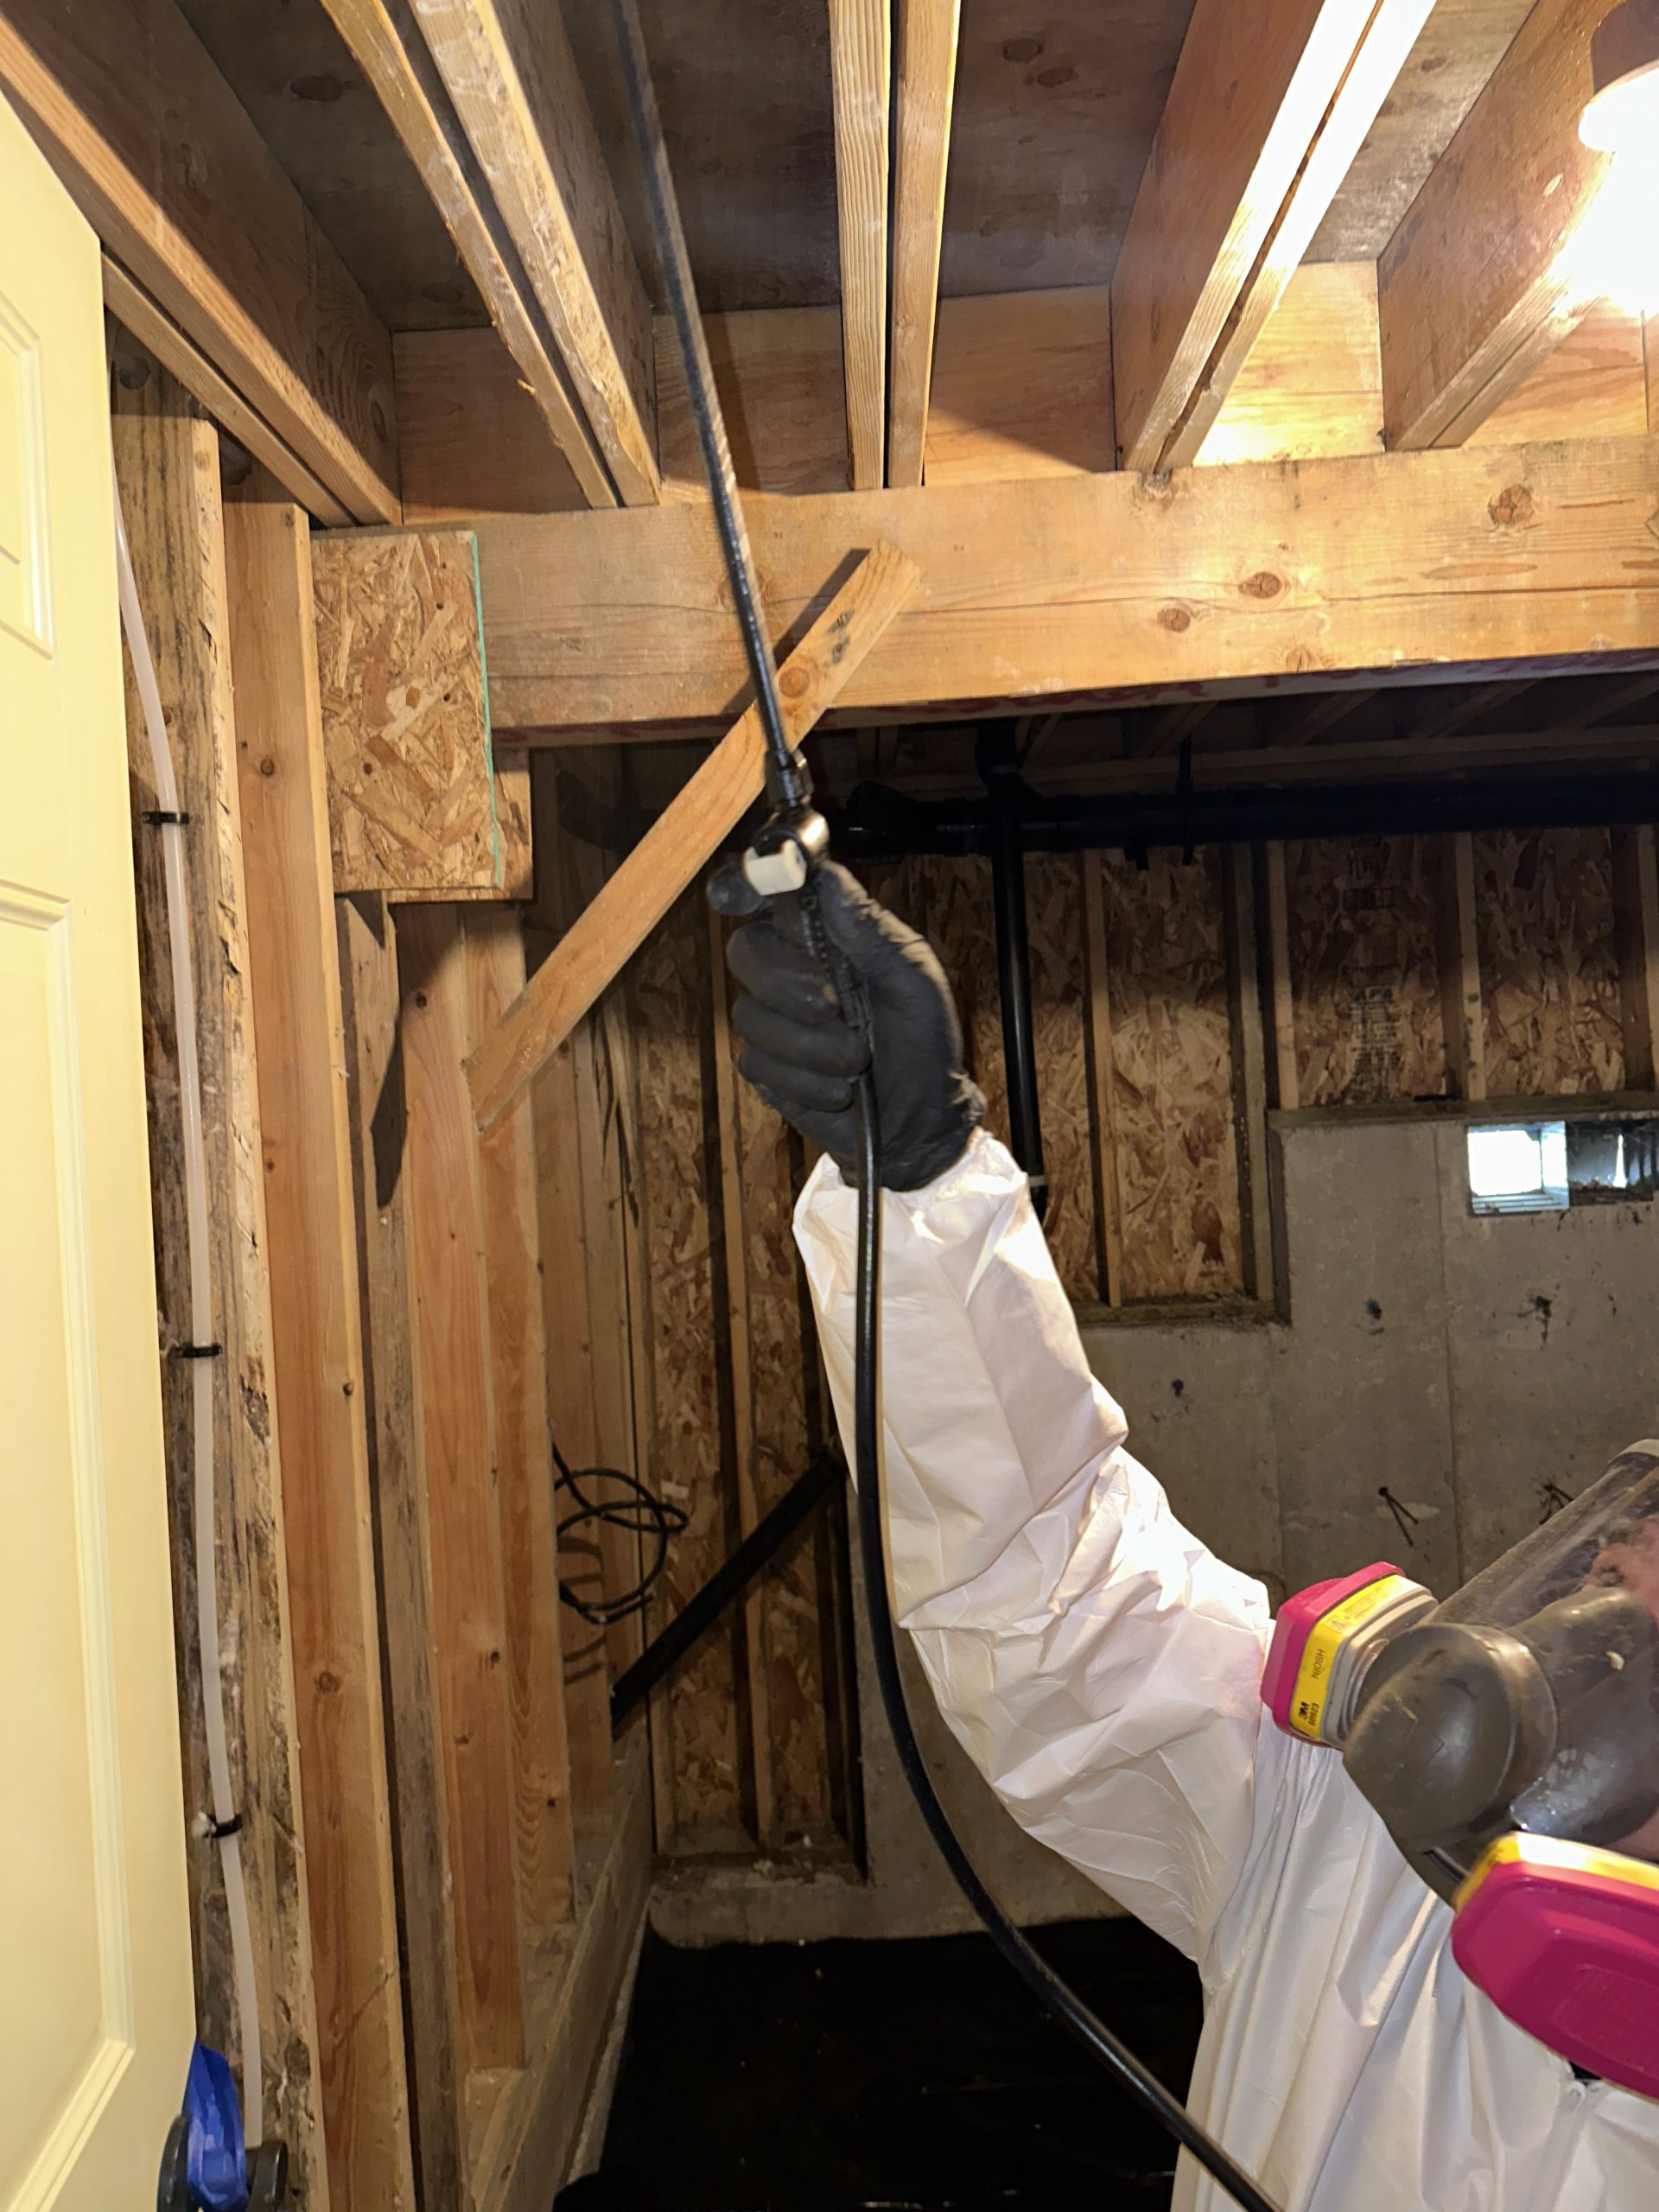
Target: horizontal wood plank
1071	589
162	160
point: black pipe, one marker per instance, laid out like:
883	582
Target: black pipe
700	1612
880	824
1005	794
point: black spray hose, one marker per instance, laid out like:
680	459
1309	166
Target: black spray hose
1021	1955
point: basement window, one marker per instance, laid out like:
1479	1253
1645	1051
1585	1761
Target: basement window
1547	1167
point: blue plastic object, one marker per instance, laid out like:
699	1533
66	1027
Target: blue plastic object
216	2169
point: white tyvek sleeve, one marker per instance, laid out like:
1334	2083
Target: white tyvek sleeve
1099	1666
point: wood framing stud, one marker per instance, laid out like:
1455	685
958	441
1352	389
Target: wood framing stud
1271	101
318	1353
1480	280
681	839
508	68
1107	1196
1462	1015
1250	1073
1286	1089
861	64
925	79
1636	913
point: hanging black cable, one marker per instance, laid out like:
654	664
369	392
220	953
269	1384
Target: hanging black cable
638	1512
792	788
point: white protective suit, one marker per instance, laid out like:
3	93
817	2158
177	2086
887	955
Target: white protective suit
1103	1670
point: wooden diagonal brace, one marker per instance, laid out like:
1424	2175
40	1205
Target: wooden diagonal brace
598	943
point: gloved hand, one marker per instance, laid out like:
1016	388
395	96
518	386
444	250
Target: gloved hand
801	1052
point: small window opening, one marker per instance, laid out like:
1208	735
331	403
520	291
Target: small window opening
1547	1167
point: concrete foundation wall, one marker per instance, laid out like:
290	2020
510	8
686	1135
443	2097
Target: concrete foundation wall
1462	1365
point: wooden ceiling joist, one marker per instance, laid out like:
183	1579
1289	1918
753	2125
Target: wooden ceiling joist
927	34
1067	588
393	58
507	67
1479	282
861	61
162	160
1271	101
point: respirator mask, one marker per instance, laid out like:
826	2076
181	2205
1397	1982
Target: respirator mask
1509	1739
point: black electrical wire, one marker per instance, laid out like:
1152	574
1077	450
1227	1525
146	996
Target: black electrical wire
639	1512
1021	1955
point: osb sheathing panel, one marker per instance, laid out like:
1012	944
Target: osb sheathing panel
1171	1112
678	1218
1548	966
512	830
400	661
798	1592
1361	916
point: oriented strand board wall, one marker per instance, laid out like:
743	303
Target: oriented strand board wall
1171	1112
1363	969
1548	966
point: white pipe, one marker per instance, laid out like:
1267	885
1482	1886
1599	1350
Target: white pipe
202	1332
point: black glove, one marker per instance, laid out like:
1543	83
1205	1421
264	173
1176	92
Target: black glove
802	1053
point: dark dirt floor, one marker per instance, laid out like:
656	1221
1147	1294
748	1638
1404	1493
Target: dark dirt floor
890	2077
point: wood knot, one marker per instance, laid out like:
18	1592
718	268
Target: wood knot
792	681
1262	585
328	1683
1175	617
1512	506
267	767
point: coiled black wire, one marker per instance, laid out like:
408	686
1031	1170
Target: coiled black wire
639	1512
1021	1955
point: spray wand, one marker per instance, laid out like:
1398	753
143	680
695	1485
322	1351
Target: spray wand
779	863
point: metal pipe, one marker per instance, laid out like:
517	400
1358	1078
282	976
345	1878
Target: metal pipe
728	1582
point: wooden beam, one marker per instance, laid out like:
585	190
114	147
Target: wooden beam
1309	720
1462	1013
305	1129
374	1066
1479	280
161	158
393	57
1108	1199
1464	707
1249	1069
1172	727
860	66
1286	1083
134	309
508	68
1311	387
167	467
1062	590
926	78
468	1602
1635	911
494	955
681	839
1269	104
1599	701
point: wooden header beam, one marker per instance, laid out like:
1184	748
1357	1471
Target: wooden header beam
162	159
1271	101
1064	589
1479	282
679	841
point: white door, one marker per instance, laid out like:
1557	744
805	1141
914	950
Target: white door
95	1994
